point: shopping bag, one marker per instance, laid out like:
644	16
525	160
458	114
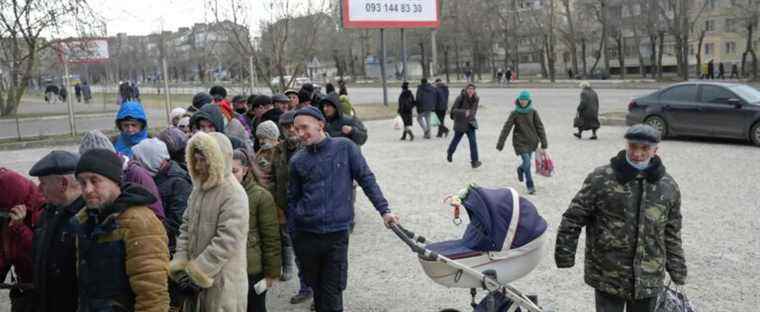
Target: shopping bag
434	121
398	123
673	300
544	163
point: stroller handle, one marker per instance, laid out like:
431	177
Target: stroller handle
413	241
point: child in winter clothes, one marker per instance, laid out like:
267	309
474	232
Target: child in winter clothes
268	135
529	131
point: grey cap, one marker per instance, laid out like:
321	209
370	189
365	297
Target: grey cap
643	134
55	163
287	118
280	98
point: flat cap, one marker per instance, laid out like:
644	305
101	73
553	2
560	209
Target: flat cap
311	111
287	118
280	98
55	163
291	91
642	134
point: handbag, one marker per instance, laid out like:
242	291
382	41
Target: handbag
672	300
544	163
434	121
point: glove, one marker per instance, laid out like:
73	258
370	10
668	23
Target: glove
186	286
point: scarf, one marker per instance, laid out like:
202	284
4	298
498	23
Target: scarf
125	142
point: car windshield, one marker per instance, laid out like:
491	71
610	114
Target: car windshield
748	93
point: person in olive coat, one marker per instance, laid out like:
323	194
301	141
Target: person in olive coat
529	131
588	112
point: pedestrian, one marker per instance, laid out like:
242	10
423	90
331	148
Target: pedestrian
340	125
219	97
329	89
734	71
587	117
508	75
132	124
20	208
51	94
121	245
320	223
426	103
78	92
294	99
133	172
126	93
263	248
86	92
175	115
721	71
710	70
441	106
464	113
199	100
570	73
281	102
264	110
631	209
280	175
406	104
210	261
268	134
63	94
528	133
208	119
175	141
499	76
54	248
342	89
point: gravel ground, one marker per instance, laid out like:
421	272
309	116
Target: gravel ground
720	208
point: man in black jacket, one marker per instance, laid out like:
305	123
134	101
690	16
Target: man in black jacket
339	125
54	250
426	102
441	106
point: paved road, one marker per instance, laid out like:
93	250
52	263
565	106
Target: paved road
720	206
611	100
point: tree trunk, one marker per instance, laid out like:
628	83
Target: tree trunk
621	54
423	60
458	61
699	53
660	51
583	58
446	62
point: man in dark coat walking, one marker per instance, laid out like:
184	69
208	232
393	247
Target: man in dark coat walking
54	249
405	107
441	106
426	102
710	70
587	117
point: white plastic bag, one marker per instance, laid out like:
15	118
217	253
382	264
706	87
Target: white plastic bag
398	123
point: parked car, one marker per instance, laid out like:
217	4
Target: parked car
703	109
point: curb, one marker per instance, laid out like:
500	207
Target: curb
612	121
57	117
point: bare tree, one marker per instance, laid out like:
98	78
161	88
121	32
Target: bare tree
750	15
680	17
23	23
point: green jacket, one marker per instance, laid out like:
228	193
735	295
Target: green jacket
633	229
529	131
263	231
280	175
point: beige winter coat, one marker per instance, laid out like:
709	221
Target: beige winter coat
211	247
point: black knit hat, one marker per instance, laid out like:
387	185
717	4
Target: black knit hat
261	100
218	92
102	162
201	99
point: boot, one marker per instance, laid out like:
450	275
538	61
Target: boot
403	136
440	132
446	131
411	135
476	164
577	135
593	135
288	263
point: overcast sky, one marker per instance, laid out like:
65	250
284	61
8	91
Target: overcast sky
141	17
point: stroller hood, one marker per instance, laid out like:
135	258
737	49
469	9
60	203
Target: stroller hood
490	213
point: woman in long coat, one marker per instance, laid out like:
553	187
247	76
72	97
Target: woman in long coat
588	112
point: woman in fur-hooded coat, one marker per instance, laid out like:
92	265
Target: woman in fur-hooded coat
211	248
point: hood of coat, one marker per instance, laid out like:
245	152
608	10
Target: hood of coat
217	149
124	142
18	190
334	101
236	129
132	109
210	112
624	172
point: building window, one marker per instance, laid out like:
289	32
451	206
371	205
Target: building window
730	25
712	4
730	48
709	48
710	25
691	49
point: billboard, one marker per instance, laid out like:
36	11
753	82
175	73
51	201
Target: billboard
83	50
390	13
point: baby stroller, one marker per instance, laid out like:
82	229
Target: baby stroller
503	242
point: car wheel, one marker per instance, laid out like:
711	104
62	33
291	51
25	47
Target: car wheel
754	134
659	124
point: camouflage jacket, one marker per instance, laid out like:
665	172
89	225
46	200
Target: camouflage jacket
633	229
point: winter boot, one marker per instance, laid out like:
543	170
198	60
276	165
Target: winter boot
288	263
593	134
440	132
403	136
411	135
577	135
475	164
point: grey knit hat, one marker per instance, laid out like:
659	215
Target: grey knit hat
95	139
268	130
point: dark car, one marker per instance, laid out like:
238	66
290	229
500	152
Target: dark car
703	109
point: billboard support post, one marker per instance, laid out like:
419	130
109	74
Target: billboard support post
434	49
403	54
382	66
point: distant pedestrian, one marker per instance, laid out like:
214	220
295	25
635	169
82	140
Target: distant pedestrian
281	102
426	102
86	92
342	89
587	116
499	76
219	96
710	70
176	142
199	99
126	93
734	71
721	71
508	75
528	133
441	106
63	94
406	106
570	74
294	101
631	209
464	113
340	125
329	88
78	92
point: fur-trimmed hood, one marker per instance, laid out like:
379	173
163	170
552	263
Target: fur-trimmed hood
218	151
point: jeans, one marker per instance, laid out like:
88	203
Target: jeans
324	259
470	137
256	302
524	169
423	119
609	303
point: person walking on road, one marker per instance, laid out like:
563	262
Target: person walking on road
441	106
426	103
210	262
406	105
734	71
464	113
721	71
54	248
528	133
631	209
319	209
78	92
86	92
587	117
121	245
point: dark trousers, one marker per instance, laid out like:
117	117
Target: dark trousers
609	303
324	260
470	137
441	114
256	302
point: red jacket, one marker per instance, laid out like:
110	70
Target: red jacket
16	239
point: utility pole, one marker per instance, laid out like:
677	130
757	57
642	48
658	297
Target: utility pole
382	66
403	55
434	50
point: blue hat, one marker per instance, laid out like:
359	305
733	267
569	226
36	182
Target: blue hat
524	95
311	111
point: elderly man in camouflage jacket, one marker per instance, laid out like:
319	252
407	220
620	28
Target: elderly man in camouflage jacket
631	209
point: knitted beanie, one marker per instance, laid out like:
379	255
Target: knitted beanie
95	139
151	152
268	130
102	162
